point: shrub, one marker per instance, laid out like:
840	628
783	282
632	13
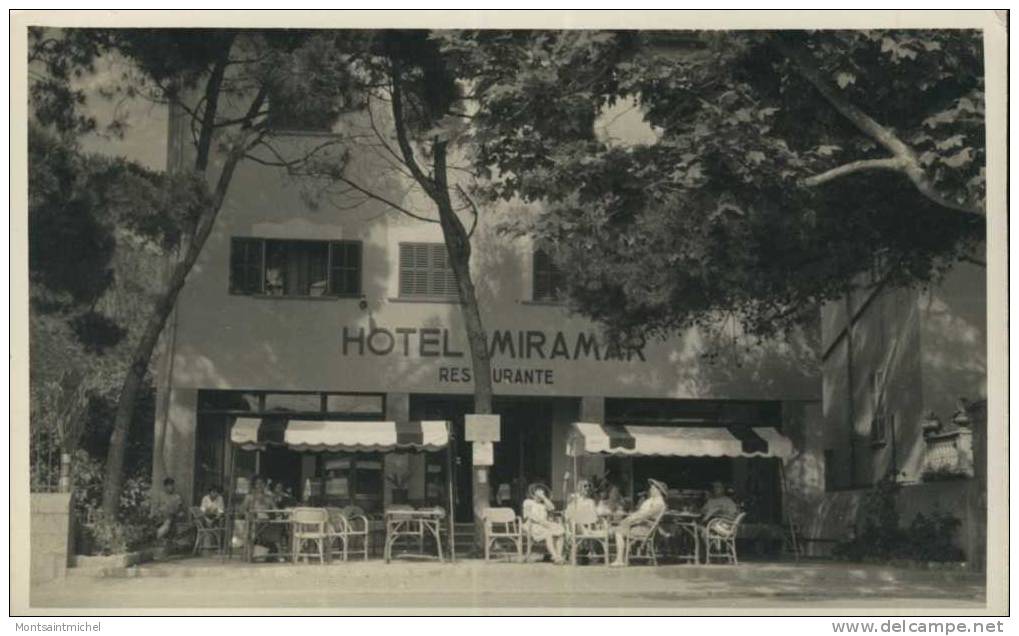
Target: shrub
928	537
132	529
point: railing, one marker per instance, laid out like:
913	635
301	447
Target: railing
948	455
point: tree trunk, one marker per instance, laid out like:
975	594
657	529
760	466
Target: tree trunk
458	246
150	337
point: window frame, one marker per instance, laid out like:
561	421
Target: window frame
430	271
551	273
329	248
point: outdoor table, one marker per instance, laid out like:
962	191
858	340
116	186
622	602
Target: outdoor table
413	523
687	524
261	518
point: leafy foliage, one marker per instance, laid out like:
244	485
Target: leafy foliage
133	526
751	199
928	538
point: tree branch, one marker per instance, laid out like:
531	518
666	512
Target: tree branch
803	62
212	92
892	163
372	195
403	140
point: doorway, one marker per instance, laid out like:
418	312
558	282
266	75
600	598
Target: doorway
524	453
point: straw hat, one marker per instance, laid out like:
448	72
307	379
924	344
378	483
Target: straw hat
535	486
660	485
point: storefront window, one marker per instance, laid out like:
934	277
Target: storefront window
355	404
294	402
334	477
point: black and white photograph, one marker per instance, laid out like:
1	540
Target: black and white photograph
570	312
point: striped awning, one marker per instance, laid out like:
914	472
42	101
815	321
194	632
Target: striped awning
677	441
254	433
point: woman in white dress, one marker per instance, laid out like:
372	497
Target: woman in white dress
536	511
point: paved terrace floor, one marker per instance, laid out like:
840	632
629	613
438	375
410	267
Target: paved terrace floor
475	585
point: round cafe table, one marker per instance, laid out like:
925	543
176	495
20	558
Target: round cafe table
687	524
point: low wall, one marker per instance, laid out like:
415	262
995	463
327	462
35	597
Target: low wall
838	512
50	535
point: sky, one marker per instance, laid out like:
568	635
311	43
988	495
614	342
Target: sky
144	140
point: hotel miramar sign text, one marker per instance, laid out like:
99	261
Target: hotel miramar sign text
503	344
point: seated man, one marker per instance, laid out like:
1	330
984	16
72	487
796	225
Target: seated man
212	505
167	509
718	504
638	523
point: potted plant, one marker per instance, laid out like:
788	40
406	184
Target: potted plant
398	483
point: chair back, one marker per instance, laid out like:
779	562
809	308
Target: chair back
337	520
309	519
353	511
724	528
504	518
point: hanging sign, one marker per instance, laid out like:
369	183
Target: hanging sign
484	454
481	428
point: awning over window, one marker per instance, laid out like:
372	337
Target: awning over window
677	441
339	436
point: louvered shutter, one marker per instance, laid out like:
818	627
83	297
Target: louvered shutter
245	266
425	271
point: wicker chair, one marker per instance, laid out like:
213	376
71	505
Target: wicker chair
640	545
584	527
206	528
720	538
309	527
502	525
358	531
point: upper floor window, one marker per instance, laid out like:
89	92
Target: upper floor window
295	268
425	271
548	279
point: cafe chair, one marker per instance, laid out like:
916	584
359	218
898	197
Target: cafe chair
720	538
585	528
309	529
641	544
358	531
502	525
337	534
528	539
206	531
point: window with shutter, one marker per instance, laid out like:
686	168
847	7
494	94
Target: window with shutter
295	268
246	263
345	268
548	279
425	271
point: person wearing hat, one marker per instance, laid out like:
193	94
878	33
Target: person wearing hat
639	523
538	525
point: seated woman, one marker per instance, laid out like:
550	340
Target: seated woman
638	523
611	501
269	535
538	525
582	499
